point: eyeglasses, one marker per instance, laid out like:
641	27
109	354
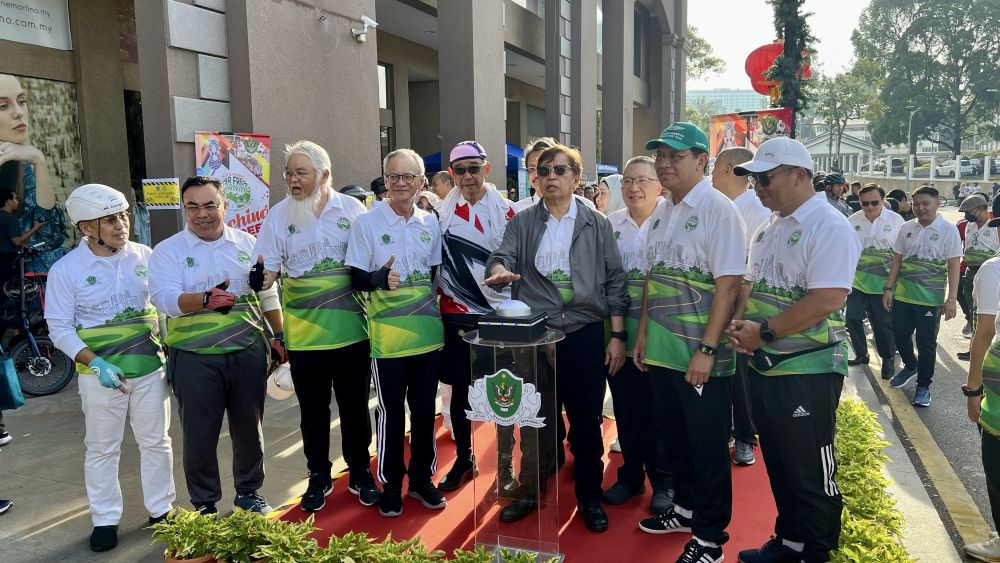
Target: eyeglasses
408	178
674	157
122	218
195	208
559	169
627	182
471	169
531	169
297	174
764	179
875	203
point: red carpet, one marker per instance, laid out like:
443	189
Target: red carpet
452	527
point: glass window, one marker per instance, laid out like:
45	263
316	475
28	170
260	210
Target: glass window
384	86
536	121
387	139
637	43
600	27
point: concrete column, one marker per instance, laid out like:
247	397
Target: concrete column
470	52
616	137
932	174
583	84
104	145
558	56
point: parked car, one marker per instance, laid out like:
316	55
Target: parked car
947	168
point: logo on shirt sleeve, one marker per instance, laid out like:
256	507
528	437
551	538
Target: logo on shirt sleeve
760	236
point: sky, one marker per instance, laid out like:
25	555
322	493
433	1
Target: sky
736	27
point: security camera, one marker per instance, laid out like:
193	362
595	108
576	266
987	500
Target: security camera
361	35
368	22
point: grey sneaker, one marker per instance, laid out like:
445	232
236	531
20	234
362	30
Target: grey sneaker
661	501
744	453
922	397
252	502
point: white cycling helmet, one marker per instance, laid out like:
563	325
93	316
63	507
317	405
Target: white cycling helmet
93	201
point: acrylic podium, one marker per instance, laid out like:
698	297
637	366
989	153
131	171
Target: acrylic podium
513	407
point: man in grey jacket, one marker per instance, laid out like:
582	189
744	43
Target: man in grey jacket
562	259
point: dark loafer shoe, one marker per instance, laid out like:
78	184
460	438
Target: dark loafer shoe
517	510
461	473
620	493
858	361
104	538
594	517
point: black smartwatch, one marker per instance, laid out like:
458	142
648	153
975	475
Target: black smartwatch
971	392
766	334
620	335
706	349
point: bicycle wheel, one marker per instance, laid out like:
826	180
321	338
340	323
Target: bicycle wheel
45	374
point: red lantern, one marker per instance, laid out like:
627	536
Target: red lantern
760	60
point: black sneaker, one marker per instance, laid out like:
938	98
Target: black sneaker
694	552
461	473
365	489
888	368
314	499
964	356
773	551
252	502
666	522
620	493
206	508
104	538
508	479
390	504
160	518
428	495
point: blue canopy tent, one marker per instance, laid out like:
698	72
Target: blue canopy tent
432	162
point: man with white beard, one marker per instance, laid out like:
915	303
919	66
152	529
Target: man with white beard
326	336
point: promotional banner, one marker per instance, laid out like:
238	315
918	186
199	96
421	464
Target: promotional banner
36	22
242	161
748	129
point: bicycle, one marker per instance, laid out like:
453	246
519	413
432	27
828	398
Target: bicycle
42	369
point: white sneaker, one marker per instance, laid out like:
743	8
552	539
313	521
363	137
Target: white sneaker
615	446
5	438
986	551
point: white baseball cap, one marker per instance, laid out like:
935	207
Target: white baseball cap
772	153
279	383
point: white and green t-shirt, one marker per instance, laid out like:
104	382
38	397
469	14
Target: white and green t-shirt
981	244
923	274
185	263
321	309
688	246
404	321
877	239
812	248
986	295
631	240
552	258
102	303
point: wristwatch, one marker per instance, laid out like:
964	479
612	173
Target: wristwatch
706	349
971	392
620	335
766	334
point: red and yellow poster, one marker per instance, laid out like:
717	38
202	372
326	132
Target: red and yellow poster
748	129
242	161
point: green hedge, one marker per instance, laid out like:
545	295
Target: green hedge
871	526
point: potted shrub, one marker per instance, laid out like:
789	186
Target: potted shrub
286	542
240	536
188	536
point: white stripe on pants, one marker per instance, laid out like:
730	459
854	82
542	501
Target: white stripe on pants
147	404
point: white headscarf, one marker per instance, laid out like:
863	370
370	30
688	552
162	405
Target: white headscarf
616	201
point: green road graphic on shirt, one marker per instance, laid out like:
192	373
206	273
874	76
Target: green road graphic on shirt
873	270
129	340
679	301
563	283
767	301
975	256
405	321
922	281
989	418
634	287
322	310
208	332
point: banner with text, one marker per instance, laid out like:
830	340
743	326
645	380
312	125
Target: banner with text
242	162
748	129
36	22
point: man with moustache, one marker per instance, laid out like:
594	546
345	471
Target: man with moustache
218	352
305	236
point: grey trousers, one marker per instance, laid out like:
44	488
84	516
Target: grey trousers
207	387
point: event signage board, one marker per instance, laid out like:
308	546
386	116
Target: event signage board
241	161
162	193
748	129
36	22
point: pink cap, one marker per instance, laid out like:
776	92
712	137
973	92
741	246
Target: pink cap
466	150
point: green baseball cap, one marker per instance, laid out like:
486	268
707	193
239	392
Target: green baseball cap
681	136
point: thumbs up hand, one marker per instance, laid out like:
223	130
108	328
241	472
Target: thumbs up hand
392	277
259	278
218	299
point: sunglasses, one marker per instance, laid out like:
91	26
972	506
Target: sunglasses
472	169
559	169
871	203
764	180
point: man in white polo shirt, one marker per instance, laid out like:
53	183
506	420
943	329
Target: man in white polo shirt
795	288
393	253
981	244
305	235
218	351
922	284
876	227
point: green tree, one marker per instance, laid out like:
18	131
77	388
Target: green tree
701	59
939	55
700	112
846	96
792	28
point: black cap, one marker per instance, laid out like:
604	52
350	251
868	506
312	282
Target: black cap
995	222
378	185
356	192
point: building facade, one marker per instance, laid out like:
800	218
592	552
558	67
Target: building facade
603	75
728	100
